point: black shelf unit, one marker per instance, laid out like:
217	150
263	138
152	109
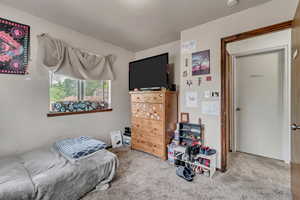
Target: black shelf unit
188	131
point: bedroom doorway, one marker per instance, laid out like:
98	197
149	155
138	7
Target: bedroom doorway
258	103
227	78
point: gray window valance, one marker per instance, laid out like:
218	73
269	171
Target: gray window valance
61	58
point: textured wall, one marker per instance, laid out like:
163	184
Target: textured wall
24	100
208	36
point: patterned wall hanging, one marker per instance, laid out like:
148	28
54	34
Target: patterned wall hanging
14	47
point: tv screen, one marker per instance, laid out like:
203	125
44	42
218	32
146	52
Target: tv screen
149	72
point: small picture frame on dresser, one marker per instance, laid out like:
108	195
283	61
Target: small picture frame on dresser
185	117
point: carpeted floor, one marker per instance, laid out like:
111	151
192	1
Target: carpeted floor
144	177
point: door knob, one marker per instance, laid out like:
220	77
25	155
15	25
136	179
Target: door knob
295	127
238	109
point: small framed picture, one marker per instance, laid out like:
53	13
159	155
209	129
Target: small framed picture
185	117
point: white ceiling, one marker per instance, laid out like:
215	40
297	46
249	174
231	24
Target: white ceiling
131	24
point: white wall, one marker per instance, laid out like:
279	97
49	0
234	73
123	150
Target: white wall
263	42
208	36
172	48
24	100
272	41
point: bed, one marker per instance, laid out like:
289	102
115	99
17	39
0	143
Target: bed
44	174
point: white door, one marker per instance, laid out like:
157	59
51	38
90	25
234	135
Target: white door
259	104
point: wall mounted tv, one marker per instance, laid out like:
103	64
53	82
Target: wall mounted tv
149	73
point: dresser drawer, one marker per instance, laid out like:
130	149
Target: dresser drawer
154	98
151	127
146	137
137	98
147	98
149	147
147	111
150	134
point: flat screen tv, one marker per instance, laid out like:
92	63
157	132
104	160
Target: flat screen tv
149	72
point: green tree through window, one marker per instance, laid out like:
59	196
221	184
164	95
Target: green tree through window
66	89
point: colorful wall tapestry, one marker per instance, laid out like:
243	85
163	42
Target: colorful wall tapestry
14	47
201	63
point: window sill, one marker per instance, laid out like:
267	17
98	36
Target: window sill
78	113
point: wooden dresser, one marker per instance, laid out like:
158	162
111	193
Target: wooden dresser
154	118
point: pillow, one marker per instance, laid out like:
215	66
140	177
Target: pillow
78	148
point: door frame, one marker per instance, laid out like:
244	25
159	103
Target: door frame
285	87
226	79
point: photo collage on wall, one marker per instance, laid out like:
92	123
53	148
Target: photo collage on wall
197	70
14	47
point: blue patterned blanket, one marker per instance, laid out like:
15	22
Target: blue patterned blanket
78	148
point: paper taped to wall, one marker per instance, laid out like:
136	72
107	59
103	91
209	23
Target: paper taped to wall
191	99
211	108
189	46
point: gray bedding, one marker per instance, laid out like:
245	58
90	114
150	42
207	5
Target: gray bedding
45	175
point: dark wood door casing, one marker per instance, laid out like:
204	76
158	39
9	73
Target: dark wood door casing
295	140
226	79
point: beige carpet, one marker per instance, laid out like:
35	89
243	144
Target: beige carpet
144	177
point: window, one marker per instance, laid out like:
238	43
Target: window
70	95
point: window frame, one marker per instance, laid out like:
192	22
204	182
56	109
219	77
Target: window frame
81	88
